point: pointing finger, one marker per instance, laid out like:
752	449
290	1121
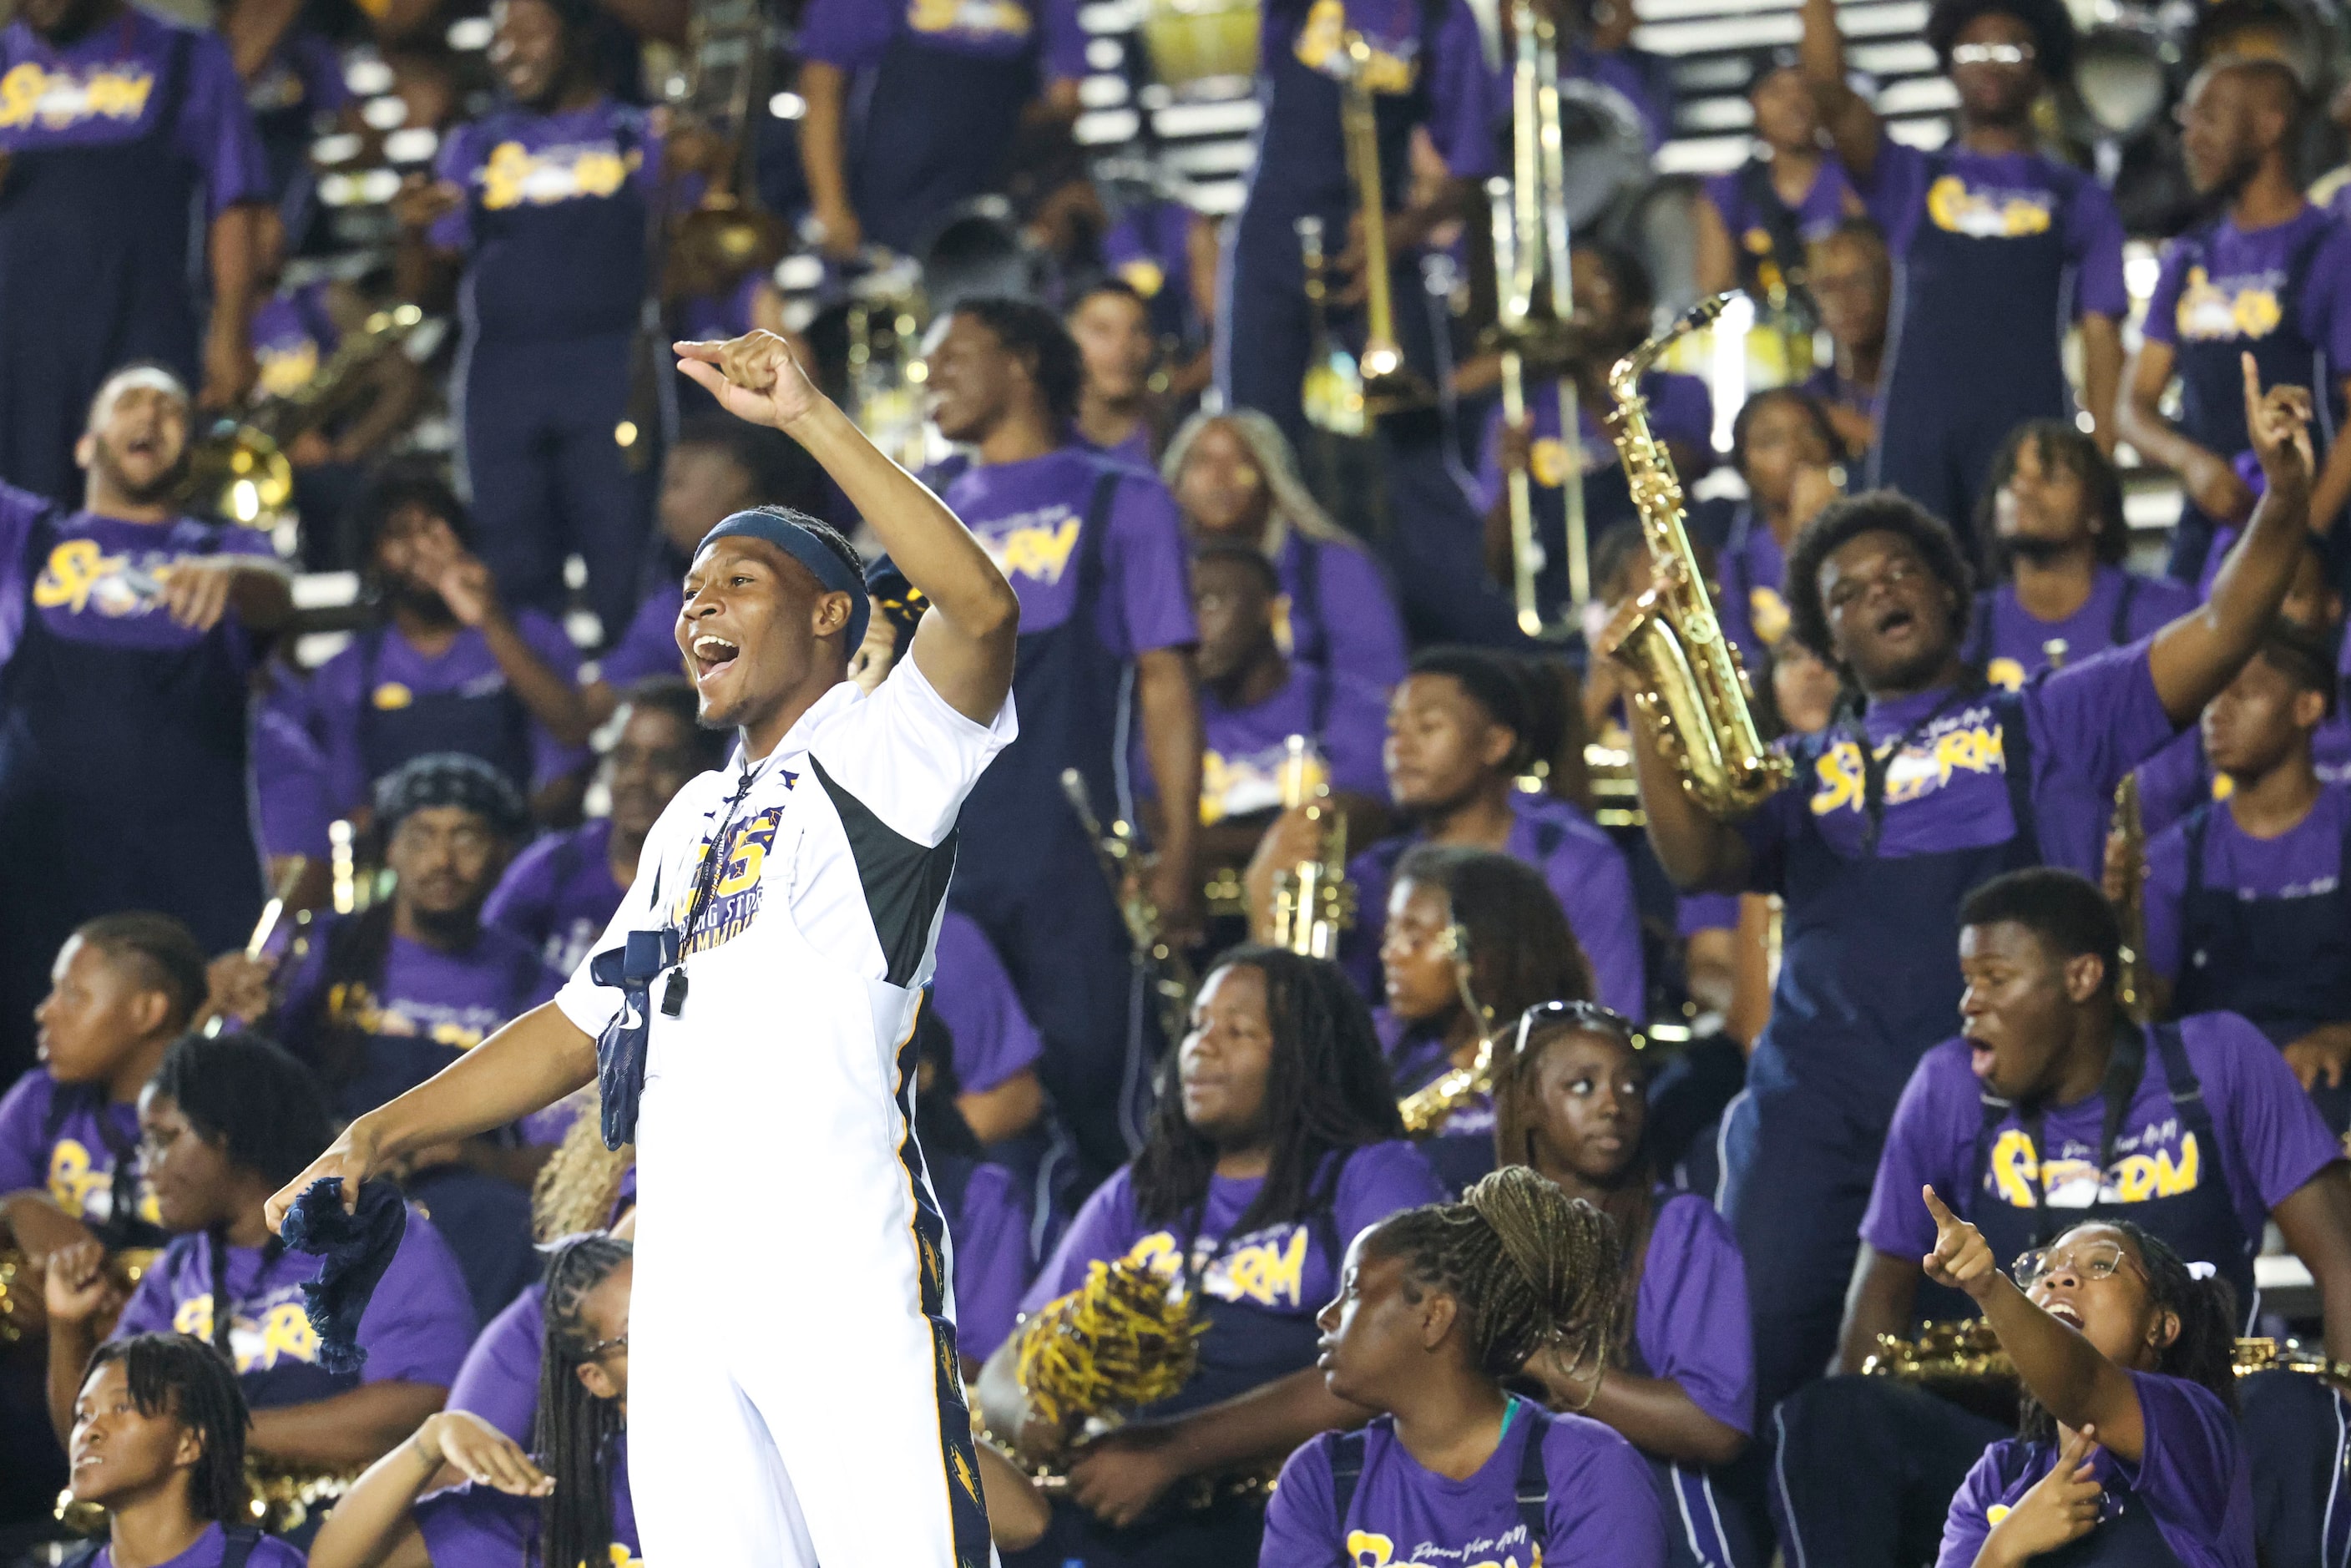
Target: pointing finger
1943	1215
709	351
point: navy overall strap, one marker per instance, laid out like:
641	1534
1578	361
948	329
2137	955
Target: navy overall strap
2118	633
238	1546
2016	761
1534	1481
1979	643
2196	824
1346	1474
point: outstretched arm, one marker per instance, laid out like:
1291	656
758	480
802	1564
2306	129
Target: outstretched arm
965	644
2202	651
1853	126
371	1527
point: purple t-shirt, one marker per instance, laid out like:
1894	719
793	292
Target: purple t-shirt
1027	515
2018	644
1697	912
1830	200
289	771
1752	572
2305	862
107	87
2227	287
1586	872
1691	1321
559	895
415	1328
1642	79
100	580
1680	409
472	1526
498	1378
856	34
1148	246
75	1166
1601	1508
2089	723
210	1549
1285	1268
2272	1140
292	336
649	647
2192	1477
990	1236
976	999
2003	195
513	159
1248	749
1337	609
402	675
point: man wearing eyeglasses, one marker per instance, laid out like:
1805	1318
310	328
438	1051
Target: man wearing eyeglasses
2048	1110
1996	247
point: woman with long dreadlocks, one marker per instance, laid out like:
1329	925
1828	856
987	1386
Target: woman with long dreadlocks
1437	1308
1572	1102
223	1124
570	1503
1473	938
1275	1140
158	1441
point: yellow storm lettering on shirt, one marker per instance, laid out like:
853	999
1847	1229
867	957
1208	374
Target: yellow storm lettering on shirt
620	1557
288	369
456	1035
1768	612
1156	1253
2142	1176
2015	1172
1000	18
2005	673
2256	312
74	1175
1041	551
2012	214
59	100
515	176
193	1317
1271	1273
285	1333
1839	781
1321	46
1365	1550
74	568
1548	463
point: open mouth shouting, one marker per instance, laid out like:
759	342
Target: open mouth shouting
712	656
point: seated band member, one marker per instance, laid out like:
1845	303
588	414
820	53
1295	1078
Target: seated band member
559	895
1473	940
2052	523
124	669
1572	1101
223	1124
2126	1352
2049	1111
564	1501
1437	1310
1459	733
1274	1141
1927	786
2246	910
158	1441
1784	445
1235	476
447	667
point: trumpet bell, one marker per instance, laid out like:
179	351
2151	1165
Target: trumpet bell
237	474
1333	394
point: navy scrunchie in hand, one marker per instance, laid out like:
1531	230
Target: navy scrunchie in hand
358	1248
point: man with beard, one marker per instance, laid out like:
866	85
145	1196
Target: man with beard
2270	276
448	667
113	121
125	637
1996	249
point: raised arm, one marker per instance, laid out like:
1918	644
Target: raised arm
965	644
532	1062
1853	126
2202	651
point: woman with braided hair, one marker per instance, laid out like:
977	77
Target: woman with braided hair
1571	1095
1437	1309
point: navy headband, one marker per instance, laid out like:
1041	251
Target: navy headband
832	573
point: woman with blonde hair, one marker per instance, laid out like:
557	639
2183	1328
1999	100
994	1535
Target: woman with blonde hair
1235	478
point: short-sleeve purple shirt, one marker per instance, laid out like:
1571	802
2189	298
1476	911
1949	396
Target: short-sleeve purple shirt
1691	1319
2011	642
992	1037
855	34
2304	864
559	895
75	1163
2229	287
1828	203
2000	195
1241	771
212	1549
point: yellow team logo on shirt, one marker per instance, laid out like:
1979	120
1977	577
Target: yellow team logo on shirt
2233	308
56	99
286	368
1767	613
2019	1179
282	1333
620	1556
80	576
1548	463
1035	545
515	176
353	1006
1322	46
1236	785
390	696
1987	214
999	18
2006	674
1369	1548
1920	770
77	1184
1270	1271
1145	277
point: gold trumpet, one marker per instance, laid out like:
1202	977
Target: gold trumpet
1390	386
1313	901
1534	299
1426	1109
2135	979
1122	861
1689	680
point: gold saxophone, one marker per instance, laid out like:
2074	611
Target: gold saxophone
1426	1109
1689	680
2134	984
1313	901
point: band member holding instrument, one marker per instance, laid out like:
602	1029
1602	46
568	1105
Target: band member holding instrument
546	203
1785	446
2124	1350
222	1122
1995	246
2047	1113
1927	786
1852	281
1572	1101
2053	534
1094	550
1437	1310
1757	223
938	92
2267	277
1473	940
1275	1142
132	125
1236	476
158	1440
843	807
2246	910
123	681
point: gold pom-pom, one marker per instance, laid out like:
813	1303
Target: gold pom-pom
1117	1342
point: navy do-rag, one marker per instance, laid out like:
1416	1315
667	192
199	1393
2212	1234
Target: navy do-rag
358	1248
836	575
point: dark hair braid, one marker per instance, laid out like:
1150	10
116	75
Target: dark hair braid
1326	1092
197	1386
1533	1268
575	1428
